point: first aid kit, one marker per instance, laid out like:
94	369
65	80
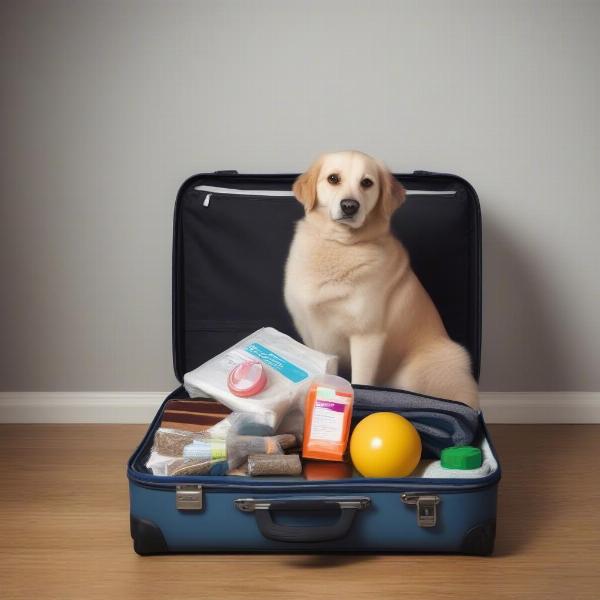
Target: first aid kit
265	374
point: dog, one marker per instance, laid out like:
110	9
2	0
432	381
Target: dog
350	289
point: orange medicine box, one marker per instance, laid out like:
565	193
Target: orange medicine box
328	413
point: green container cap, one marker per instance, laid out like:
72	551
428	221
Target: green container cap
461	457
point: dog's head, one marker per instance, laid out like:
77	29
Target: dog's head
348	187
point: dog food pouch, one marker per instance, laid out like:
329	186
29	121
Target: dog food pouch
327	416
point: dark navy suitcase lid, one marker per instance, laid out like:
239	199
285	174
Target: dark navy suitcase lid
229	253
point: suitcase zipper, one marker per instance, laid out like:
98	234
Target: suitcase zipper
448	486
211	189
238	192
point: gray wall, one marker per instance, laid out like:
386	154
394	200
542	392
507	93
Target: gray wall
108	106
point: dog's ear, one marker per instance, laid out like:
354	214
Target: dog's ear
391	194
305	186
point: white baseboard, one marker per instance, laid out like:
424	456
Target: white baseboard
140	407
79	407
541	407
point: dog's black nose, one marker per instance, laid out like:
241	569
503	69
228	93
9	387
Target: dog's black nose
349	206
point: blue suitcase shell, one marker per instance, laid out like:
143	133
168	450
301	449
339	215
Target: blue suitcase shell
224	221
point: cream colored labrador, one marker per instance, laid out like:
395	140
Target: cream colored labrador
350	288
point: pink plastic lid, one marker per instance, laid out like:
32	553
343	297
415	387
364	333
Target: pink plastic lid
247	378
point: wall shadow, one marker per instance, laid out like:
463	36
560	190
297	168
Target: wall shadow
521	348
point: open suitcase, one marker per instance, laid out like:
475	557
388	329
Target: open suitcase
231	236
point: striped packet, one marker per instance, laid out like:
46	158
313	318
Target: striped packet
193	415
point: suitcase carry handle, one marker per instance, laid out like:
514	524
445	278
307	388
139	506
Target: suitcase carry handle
263	507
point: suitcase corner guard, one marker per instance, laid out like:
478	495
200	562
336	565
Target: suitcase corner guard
147	537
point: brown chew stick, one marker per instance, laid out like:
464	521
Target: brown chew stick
274	464
286	440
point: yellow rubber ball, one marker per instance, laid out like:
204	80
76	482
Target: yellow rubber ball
385	444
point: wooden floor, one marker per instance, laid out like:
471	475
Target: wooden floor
64	527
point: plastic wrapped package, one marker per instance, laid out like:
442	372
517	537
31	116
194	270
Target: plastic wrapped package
177	452
264	374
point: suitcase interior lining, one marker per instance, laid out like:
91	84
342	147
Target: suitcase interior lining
229	259
141	457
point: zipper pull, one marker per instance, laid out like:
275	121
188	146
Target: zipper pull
206	200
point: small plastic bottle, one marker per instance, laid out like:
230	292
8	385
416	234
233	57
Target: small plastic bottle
327	417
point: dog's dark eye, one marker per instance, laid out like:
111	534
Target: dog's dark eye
366	182
333	179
